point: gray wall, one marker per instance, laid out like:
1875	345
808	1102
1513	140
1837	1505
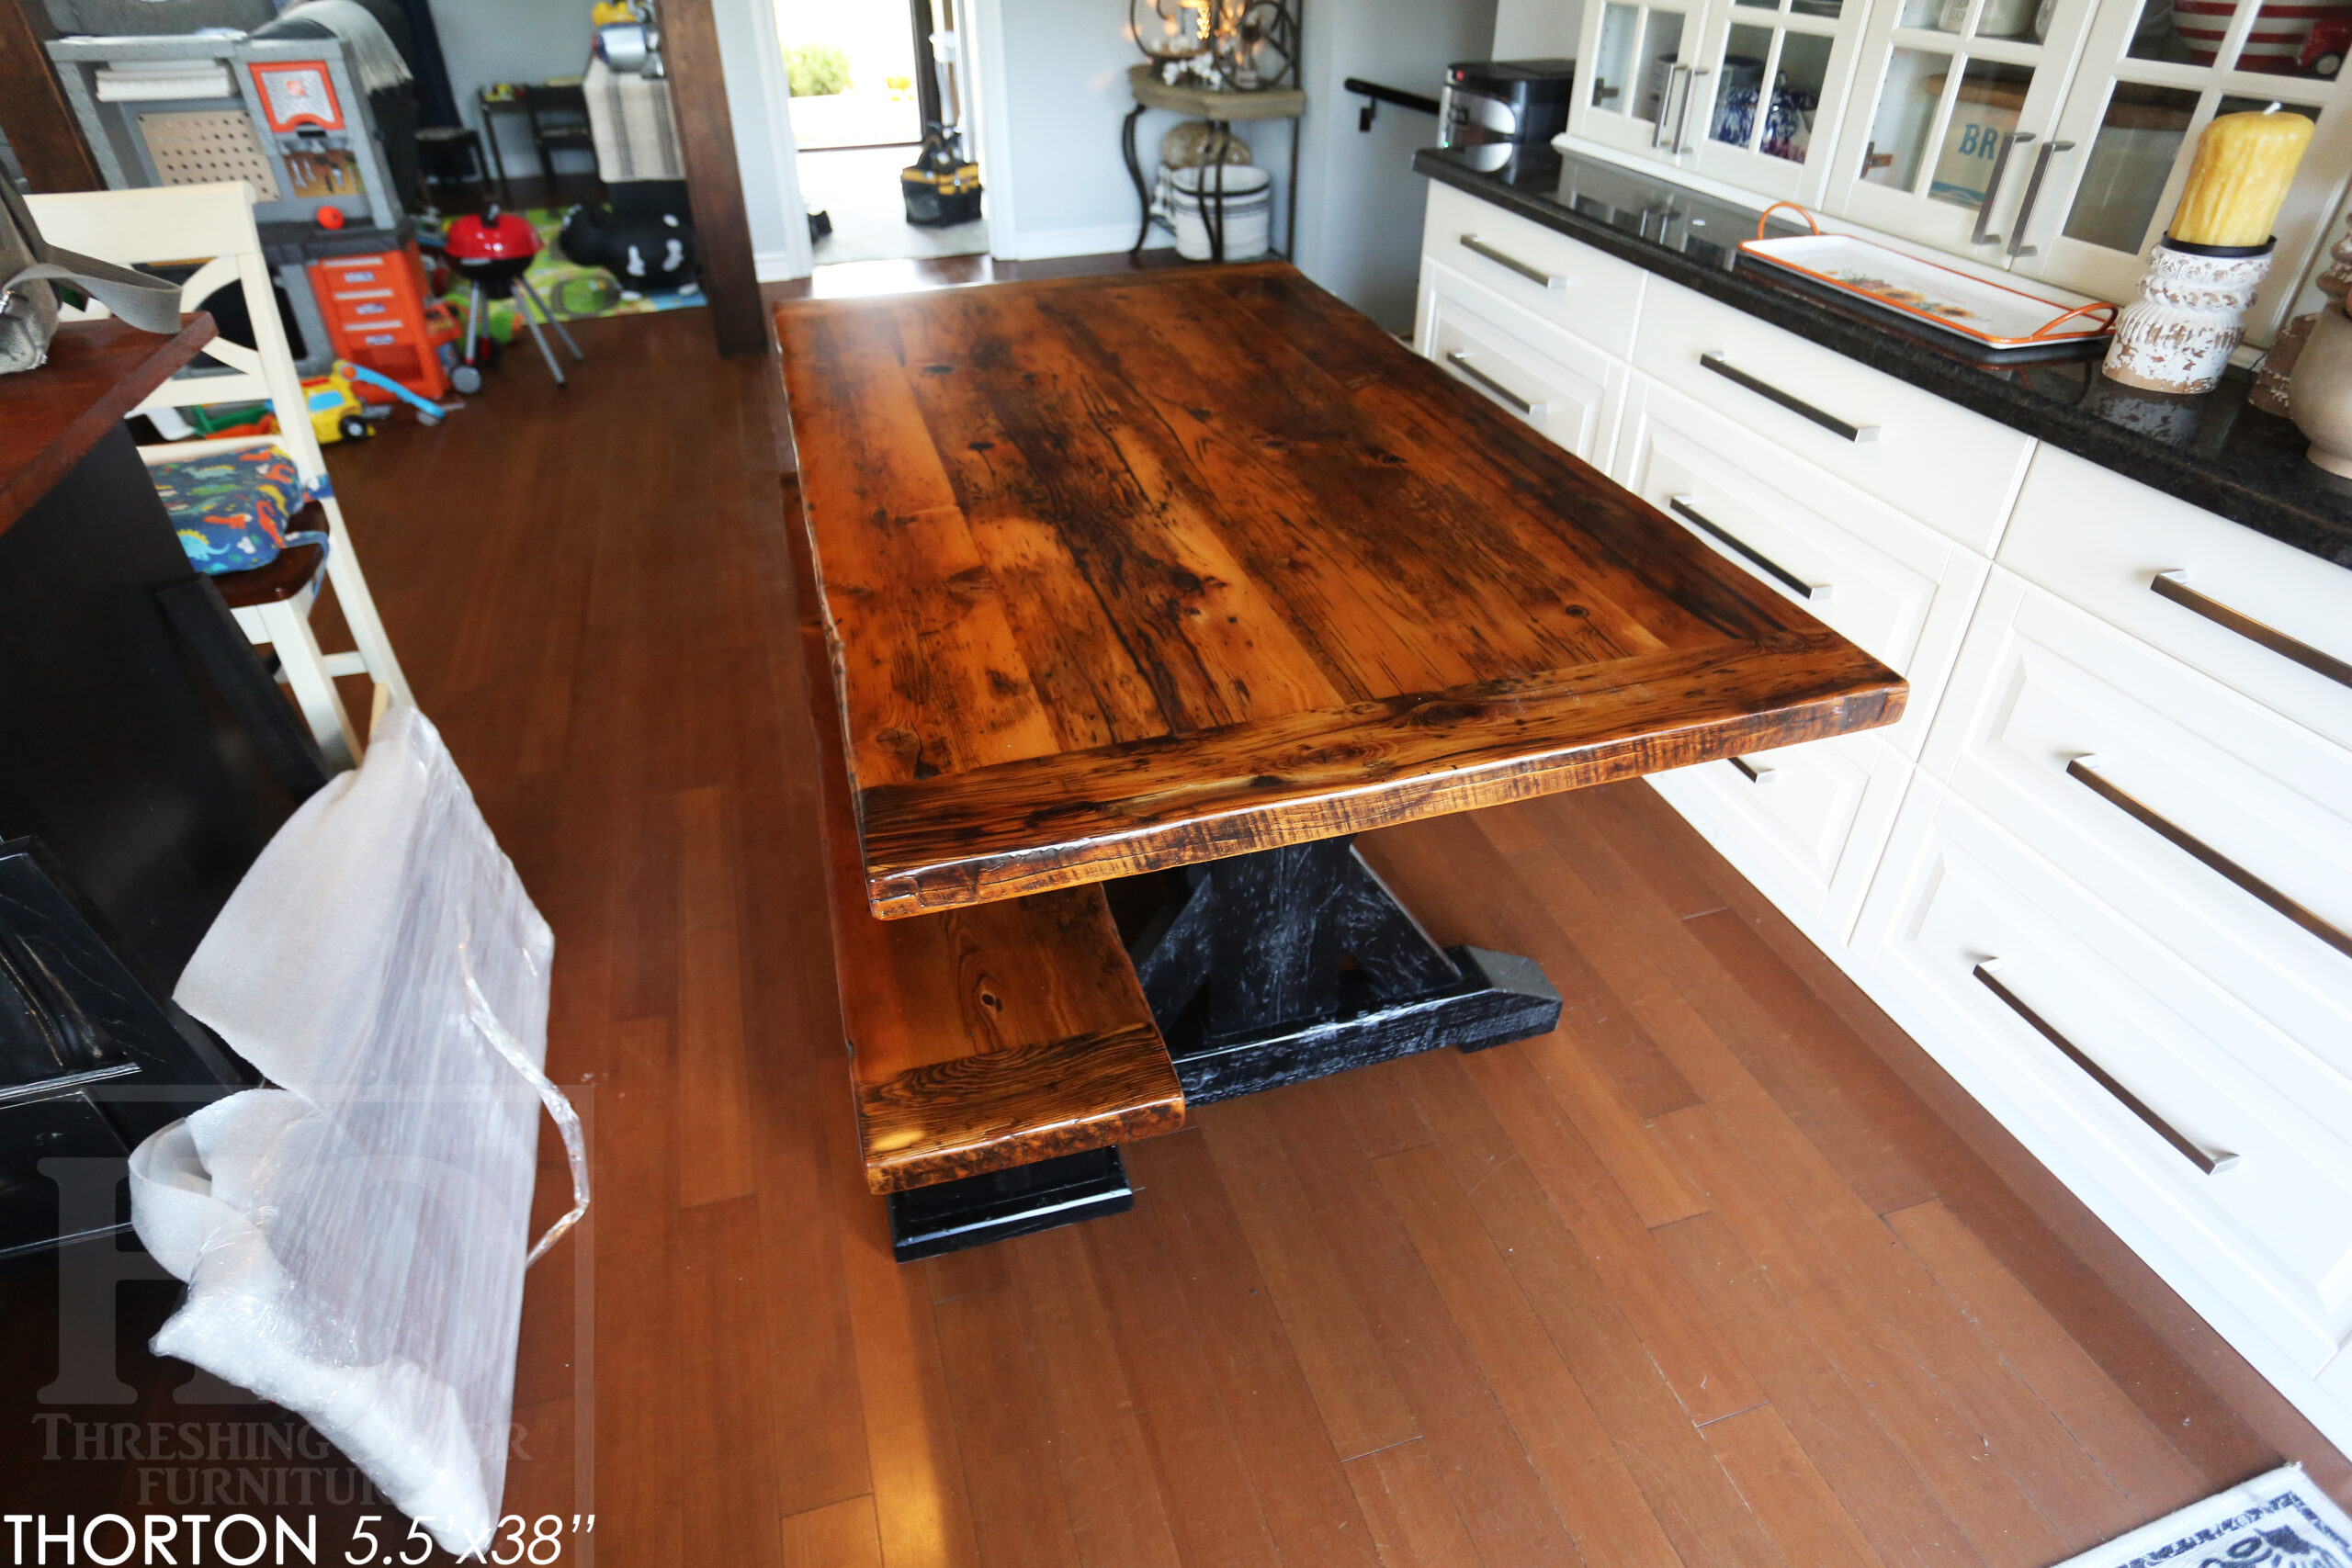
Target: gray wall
510	40
1537	29
530	41
1360	213
1065	93
1359	203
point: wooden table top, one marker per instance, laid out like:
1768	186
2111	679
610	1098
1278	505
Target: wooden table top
97	372
1131	571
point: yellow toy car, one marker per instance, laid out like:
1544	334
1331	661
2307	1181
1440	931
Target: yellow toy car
335	411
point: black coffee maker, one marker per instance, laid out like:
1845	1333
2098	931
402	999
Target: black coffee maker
1505	104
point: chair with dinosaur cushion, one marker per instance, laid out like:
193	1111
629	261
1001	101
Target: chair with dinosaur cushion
263	500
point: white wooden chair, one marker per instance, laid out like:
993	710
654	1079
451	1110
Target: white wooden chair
214	224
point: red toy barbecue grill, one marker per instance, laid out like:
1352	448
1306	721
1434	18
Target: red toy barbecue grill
493	251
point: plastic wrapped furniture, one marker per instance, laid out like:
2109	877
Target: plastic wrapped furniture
354	1237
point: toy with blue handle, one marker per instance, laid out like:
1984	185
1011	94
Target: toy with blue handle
427	410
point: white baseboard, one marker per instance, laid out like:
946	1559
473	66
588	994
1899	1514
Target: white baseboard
774	266
1095	240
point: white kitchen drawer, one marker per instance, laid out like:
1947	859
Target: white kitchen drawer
2092	536
1804	823
2176	761
1933	460
1559	384
1590	293
1900	590
2270	1231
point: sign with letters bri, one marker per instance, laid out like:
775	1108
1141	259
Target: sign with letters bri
1970	143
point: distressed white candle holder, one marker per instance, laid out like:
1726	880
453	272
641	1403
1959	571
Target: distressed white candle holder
2178	336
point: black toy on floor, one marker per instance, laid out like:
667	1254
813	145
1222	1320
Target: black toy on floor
651	252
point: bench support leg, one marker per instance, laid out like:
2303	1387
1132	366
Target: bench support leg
951	1215
1243	971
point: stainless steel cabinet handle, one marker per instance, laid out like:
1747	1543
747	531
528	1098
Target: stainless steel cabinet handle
1829	422
1984	235
1682	125
1988	976
1753	773
2173	585
1681	506
1461	362
2018	247
2084	771
1478	246
1674	74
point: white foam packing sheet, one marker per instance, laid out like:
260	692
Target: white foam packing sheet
355	1237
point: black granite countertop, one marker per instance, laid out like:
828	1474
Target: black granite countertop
2212	451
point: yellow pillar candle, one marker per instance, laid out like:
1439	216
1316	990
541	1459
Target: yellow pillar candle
2245	163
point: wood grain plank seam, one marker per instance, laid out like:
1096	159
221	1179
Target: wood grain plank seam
1759	1405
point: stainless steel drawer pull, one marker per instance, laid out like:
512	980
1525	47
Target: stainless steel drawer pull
1830	421
2084	771
1681	507
2173	585
1983	234
1478	246
1753	773
1682	124
2018	247
1988	976
1461	362
1665	104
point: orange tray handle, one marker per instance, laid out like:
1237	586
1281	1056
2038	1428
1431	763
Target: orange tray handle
2048	327
1766	217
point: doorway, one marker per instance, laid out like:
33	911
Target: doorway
867	78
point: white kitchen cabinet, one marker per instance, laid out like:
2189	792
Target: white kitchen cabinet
2053	139
1570	285
2118	151
2168	1018
1901	591
1804	823
1954	470
2262	617
2224	830
2123	1069
1634	91
1560	385
1748	93
1952	96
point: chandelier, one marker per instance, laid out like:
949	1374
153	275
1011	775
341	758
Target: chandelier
1239	44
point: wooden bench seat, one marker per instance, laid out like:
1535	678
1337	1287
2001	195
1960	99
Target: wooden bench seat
984	1037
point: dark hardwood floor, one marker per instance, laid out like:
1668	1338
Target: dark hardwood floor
1724	1272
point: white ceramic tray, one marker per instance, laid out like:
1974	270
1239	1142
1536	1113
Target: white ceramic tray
1991	315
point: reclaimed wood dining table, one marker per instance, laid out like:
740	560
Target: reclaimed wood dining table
1178	579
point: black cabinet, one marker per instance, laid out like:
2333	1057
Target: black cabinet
145	759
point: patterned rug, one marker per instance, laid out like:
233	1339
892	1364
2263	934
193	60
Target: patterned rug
574	292
2280	1520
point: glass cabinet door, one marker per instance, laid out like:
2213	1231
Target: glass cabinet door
1959	97
2154	74
1774	82
1638	97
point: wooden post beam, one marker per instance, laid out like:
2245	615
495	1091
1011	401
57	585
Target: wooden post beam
34	115
714	186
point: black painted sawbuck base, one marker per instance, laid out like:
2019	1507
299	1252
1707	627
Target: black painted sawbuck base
1262	970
